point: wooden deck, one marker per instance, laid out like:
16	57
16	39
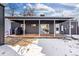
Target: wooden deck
24	40
19	41
37	36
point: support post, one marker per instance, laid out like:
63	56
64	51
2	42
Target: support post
39	27
54	28
23	27
70	27
76	26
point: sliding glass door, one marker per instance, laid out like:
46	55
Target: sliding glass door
44	28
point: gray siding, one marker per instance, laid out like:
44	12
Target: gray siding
32	30
51	28
65	25
1	25
74	29
78	30
65	28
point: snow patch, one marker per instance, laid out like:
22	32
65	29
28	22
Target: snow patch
60	47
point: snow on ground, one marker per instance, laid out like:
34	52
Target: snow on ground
5	50
76	36
59	47
42	47
30	50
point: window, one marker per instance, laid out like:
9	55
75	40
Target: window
33	25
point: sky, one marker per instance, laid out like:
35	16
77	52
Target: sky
49	9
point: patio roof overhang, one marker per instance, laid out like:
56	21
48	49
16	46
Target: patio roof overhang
37	17
44	19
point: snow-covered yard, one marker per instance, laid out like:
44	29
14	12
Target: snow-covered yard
21	50
59	47
5	50
30	50
43	47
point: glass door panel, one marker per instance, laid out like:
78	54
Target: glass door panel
44	28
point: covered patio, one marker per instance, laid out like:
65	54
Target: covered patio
53	24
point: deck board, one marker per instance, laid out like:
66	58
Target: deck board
24	40
37	36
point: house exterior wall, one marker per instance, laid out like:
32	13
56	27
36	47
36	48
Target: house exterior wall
74	26
7	27
65	26
1	25
78	30
32	30
51	28
78	27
